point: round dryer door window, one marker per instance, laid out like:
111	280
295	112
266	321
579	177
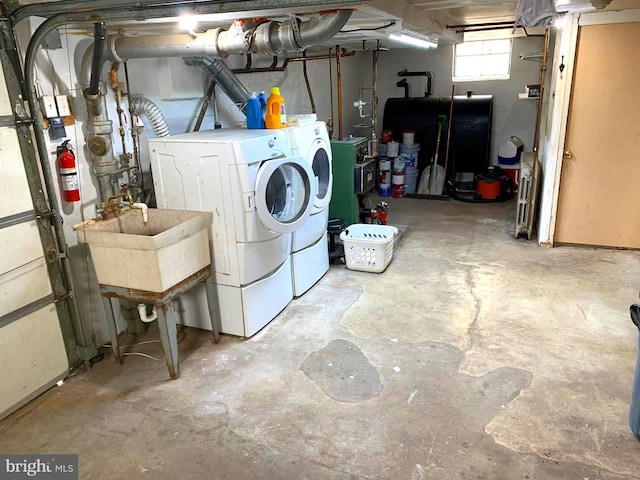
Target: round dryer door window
321	164
284	193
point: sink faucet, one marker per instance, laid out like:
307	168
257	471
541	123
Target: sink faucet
112	207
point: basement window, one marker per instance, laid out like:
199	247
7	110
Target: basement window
482	60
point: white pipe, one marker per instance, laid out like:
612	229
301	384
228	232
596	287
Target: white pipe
145	211
142	310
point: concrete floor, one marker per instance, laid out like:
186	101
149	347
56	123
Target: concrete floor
473	356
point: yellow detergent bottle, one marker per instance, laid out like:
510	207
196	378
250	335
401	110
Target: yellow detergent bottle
276	116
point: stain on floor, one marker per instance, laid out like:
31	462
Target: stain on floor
343	372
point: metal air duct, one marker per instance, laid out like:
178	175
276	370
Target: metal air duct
224	78
270	38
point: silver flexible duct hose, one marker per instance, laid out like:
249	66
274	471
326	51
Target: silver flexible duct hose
144	106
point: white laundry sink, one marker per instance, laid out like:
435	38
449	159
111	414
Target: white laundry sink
126	252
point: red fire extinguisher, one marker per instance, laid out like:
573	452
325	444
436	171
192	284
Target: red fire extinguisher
68	172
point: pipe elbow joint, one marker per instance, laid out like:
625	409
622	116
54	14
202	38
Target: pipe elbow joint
142	311
145	211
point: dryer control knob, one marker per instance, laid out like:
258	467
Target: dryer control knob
272	143
317	131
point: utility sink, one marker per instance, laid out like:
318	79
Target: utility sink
126	252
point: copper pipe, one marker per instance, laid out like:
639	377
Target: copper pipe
374	102
330	94
115	86
206	101
536	137
134	135
322	57
306	80
339	80
446	153
543	72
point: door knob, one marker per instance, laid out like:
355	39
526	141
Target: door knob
568	154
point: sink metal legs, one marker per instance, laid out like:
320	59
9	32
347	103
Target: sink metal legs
166	320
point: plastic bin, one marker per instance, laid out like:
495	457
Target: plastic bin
368	247
634	411
509	152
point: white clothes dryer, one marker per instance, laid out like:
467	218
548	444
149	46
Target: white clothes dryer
310	257
311	141
258	193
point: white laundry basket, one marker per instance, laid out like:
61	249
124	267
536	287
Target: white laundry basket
368	247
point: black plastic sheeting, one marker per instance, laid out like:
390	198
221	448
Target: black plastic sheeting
471	139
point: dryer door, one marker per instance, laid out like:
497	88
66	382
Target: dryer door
284	193
320	161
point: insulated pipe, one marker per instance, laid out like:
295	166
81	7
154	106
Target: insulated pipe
223	77
144	106
99	130
97	57
270	38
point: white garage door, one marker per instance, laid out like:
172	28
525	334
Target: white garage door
32	351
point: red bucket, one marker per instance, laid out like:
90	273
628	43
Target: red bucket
387	136
397	185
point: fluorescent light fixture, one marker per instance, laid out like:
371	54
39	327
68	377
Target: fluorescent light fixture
412	38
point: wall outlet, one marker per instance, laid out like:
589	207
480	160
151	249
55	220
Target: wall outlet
64	110
49	106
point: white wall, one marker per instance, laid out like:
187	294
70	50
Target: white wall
511	116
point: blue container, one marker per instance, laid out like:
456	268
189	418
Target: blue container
384	189
634	412
263	105
254	112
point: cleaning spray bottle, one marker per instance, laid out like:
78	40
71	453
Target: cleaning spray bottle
254	112
276	116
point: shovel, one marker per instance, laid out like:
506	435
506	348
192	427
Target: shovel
433	182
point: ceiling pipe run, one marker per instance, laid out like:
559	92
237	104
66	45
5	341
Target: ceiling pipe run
271	38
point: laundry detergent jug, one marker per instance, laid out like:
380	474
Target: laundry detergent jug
276	116
254	112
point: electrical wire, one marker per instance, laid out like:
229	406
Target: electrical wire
391	24
252	36
133	345
142	355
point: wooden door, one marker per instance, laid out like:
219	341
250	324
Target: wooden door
599	202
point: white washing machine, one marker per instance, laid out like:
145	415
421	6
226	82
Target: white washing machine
258	193
309	251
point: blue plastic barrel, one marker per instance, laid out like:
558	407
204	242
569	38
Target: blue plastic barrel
634	412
